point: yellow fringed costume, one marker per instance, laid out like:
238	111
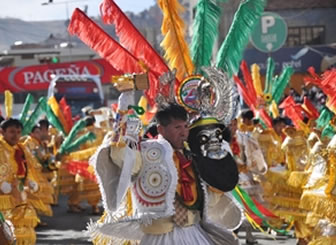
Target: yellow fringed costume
283	185
13	201
79	187
270	143
319	195
46	190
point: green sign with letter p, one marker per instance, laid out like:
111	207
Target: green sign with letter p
270	34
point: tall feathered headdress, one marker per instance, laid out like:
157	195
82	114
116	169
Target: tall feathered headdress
264	102
213	95
133	53
207	17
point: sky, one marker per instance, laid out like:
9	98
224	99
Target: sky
33	10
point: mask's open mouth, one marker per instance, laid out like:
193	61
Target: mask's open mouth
215	151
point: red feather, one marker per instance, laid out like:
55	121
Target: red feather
265	117
135	43
153	89
131	38
255	218
249	82
331	103
111	50
251	101
243	91
81	168
327	82
315	79
310	109
66	109
292	110
98	40
264	210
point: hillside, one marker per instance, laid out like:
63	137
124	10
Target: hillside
11	30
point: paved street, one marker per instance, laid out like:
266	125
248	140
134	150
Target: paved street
66	228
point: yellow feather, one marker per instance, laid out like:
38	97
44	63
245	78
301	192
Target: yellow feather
8	103
175	46
59	114
143	103
256	79
274	109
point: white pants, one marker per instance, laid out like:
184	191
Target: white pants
191	235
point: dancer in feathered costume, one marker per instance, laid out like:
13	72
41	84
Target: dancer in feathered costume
46	190
86	187
16	183
25	189
135	55
170	187
44	161
317	197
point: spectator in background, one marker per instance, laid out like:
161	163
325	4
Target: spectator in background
304	93
294	94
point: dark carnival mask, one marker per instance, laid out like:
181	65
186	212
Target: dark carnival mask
211	143
208	141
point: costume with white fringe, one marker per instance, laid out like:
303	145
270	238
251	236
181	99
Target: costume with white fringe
133	54
141	189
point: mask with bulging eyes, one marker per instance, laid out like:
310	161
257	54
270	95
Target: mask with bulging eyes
212	144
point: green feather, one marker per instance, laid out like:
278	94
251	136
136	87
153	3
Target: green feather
29	124
53	119
231	51
269	75
29	100
325	116
281	83
328	131
75	145
205	31
81	124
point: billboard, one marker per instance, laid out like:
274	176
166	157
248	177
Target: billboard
38	77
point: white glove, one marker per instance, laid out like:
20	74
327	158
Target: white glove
6	187
33	185
125	99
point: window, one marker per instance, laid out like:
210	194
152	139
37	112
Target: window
27	56
305	35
